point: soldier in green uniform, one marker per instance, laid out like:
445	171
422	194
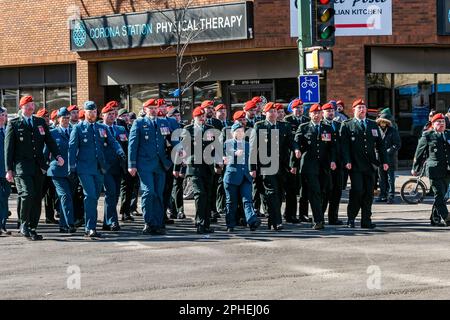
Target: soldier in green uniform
434	150
293	182
25	139
195	138
318	155
361	142
272	147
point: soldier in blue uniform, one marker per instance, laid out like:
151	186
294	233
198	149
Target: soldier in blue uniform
237	179
115	170
25	138
147	156
64	185
87	158
5	189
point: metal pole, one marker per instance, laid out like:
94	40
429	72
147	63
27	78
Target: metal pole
304	31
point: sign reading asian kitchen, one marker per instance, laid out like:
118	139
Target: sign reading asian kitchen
232	21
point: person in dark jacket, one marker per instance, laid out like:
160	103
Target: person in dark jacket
392	143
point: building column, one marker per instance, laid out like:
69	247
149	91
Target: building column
88	87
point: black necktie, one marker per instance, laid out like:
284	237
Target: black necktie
111	130
2	133
363	125
317	129
29	123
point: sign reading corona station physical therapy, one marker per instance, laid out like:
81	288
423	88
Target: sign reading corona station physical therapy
233	21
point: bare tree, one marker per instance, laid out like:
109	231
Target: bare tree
188	69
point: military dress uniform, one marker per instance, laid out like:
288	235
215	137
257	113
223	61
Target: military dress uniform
433	150
194	140
262	135
24	146
361	142
315	142
5	188
147	153
113	177
332	198
293	181
87	158
64	184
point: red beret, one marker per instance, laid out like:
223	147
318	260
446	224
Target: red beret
161	102
296	103
438	116
42	113
256	99
207	103
327	106
54	114
72	107
81	114
198	112
113	104
107	108
269	106
220	107
149	102
249	105
238	115
357	102
25	100
340	103
315	107
279	106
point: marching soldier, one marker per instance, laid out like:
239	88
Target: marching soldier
433	150
116	169
237	179
74	114
87	158
63	183
259	103
293	182
5	188
147	156
25	138
195	138
318	154
250	113
333	197
280	111
361	142
266	133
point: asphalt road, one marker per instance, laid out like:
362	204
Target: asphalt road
404	258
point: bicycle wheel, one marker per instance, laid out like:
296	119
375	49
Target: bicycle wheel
413	191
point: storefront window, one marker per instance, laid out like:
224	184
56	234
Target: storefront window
207	91
379	91
140	93
36	93
56	98
443	93
286	89
9	100
74	99
170	92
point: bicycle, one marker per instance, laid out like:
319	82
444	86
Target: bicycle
414	190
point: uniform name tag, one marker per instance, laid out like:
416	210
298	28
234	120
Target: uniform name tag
41	130
326	136
102	133
165	131
375	132
123	137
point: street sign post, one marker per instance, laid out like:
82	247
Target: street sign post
309	88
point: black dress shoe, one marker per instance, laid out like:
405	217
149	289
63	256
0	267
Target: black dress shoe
106	227
34	236
305	219
336	223
136	214
230	229
351	223
51	221
157	231
278	227
319	226
181	215
146	229
369	226
292	220
203	230
25	232
127	217
115	227
92	234
5	232
255	225
168	221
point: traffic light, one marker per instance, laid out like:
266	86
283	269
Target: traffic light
322	17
